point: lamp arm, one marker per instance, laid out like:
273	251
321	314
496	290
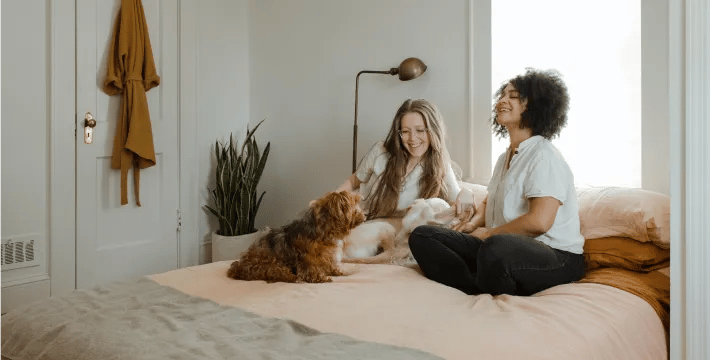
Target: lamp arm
392	71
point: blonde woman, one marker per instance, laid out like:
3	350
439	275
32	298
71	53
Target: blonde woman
413	162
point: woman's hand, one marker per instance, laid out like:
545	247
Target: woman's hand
470	217
471	225
481	233
465	206
464	227
351	184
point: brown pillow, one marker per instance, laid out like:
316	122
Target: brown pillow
625	253
638	214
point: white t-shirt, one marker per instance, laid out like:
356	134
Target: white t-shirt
537	170
373	165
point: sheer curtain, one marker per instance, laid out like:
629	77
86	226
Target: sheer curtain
596	46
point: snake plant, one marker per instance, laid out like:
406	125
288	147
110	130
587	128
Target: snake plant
237	174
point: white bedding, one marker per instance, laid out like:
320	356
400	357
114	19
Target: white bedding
397	305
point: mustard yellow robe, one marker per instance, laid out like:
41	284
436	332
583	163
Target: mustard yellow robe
131	72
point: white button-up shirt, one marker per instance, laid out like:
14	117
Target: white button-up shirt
537	169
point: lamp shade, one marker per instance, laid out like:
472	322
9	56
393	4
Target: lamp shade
410	68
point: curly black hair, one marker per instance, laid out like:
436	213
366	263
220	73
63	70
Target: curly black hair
547	103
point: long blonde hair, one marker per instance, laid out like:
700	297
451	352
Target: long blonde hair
382	201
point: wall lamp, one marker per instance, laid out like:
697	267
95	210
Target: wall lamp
409	69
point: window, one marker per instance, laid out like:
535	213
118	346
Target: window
596	46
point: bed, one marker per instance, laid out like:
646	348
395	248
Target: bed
619	310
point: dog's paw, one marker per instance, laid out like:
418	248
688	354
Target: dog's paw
348	269
321	280
337	272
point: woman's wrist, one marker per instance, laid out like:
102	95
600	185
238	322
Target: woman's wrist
490	232
347	186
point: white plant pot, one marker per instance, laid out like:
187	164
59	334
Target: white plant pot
232	247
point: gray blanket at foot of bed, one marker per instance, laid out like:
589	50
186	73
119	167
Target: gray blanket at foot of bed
141	319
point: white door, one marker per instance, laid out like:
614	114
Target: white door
116	242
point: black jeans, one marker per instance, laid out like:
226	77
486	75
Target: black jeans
502	264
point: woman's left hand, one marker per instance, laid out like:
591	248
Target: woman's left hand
481	233
471	225
465	206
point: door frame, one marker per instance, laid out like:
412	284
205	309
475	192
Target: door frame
62	157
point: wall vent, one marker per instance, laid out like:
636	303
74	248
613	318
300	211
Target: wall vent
19	252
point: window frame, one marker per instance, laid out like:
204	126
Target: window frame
655	143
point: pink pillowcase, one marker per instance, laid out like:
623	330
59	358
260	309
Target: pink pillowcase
639	214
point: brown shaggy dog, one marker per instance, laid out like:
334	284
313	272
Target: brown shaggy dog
306	249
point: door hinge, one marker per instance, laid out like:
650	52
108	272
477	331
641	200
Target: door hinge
179	221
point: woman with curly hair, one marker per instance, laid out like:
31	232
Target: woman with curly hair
531	240
411	163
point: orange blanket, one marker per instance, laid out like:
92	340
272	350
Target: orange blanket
131	72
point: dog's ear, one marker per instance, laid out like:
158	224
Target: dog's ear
338	212
327	211
351	196
340	205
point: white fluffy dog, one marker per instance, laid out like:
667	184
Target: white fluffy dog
364	242
365	239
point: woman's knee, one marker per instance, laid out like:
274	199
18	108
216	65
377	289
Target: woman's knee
419	238
424	231
494	266
500	254
496	249
428	233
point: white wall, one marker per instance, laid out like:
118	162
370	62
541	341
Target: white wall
689	96
304	56
25	137
222	96
655	143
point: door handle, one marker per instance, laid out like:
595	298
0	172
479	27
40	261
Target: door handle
89	123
